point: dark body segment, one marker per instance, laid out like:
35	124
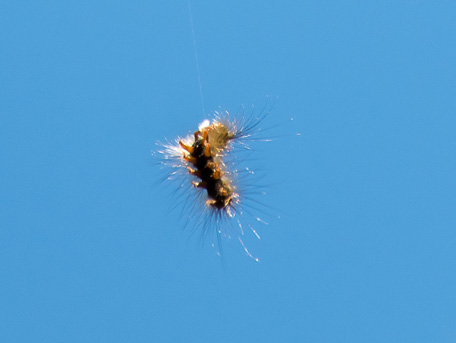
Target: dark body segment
207	170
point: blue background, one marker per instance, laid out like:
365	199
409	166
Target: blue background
365	248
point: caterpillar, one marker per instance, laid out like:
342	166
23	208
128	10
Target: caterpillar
206	164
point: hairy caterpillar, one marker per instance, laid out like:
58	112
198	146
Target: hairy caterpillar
215	186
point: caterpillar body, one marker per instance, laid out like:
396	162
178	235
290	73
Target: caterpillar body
206	163
204	155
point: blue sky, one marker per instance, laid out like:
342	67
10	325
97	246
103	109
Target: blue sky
364	250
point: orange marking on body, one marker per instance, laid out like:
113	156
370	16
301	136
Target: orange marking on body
186	147
194	172
207	150
205	134
210	202
217	175
190	159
